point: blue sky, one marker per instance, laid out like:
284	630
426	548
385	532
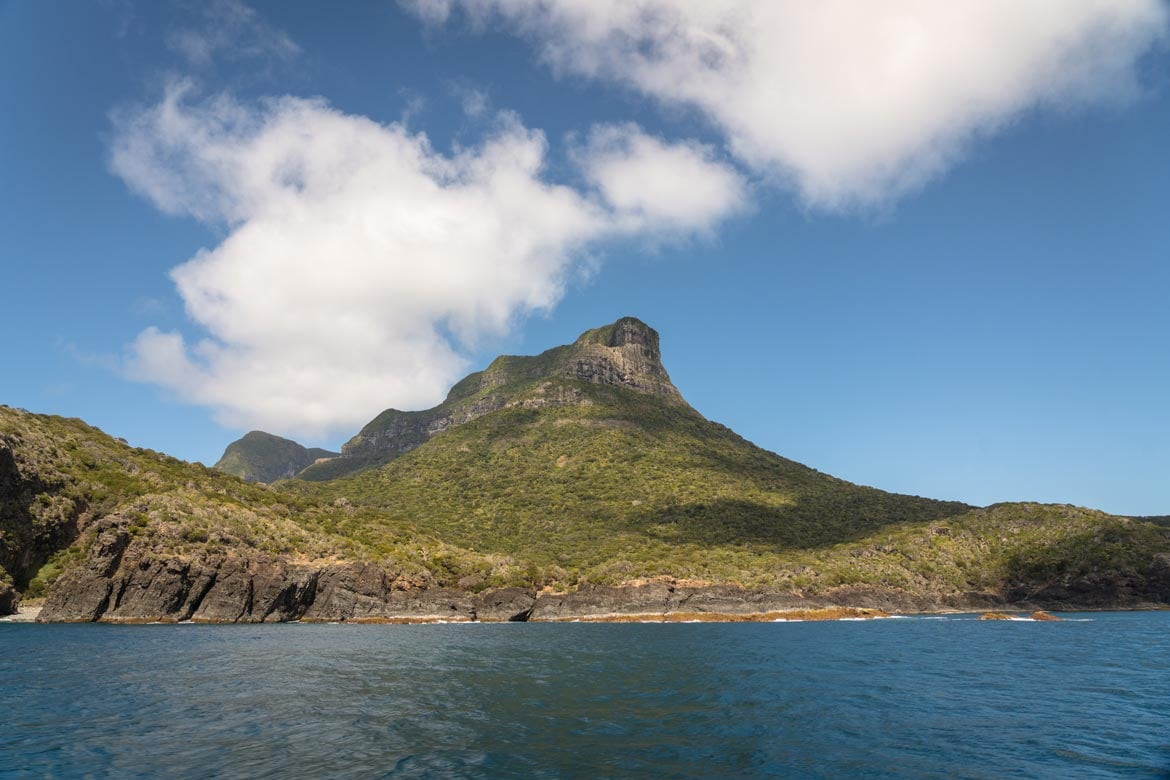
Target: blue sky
958	298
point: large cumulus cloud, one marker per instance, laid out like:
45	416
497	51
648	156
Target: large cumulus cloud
358	262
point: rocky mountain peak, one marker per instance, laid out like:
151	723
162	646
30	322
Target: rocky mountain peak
625	354
622	354
626	332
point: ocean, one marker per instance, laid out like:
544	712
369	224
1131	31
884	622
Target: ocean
916	697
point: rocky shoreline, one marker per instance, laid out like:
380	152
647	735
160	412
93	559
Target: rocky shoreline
122	580
413	617
119	583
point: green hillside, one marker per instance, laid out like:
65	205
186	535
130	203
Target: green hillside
61	480
623	485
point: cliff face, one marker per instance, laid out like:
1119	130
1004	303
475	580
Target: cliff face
624	354
262	457
121	582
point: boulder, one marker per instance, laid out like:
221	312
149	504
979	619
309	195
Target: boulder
1044	616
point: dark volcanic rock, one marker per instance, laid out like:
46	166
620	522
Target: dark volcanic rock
150	589
365	592
119	583
885	599
9	598
504	604
666	599
256	590
83	594
1099	590
729	600
348	592
429	604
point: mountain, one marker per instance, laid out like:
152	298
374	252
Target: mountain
574	484
262	457
624	354
587	460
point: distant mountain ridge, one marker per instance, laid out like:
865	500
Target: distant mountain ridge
263	457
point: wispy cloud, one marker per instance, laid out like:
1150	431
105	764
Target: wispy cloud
474	102
148	306
850	102
353	248
231	30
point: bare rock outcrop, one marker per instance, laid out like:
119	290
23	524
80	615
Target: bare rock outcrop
504	604
662	599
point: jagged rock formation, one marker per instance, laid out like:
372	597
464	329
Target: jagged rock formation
262	457
625	354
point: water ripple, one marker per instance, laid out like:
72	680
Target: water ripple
917	698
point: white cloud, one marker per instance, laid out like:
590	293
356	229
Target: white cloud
233	30
474	102
672	186
352	248
852	102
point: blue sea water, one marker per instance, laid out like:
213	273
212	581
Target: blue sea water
917	697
